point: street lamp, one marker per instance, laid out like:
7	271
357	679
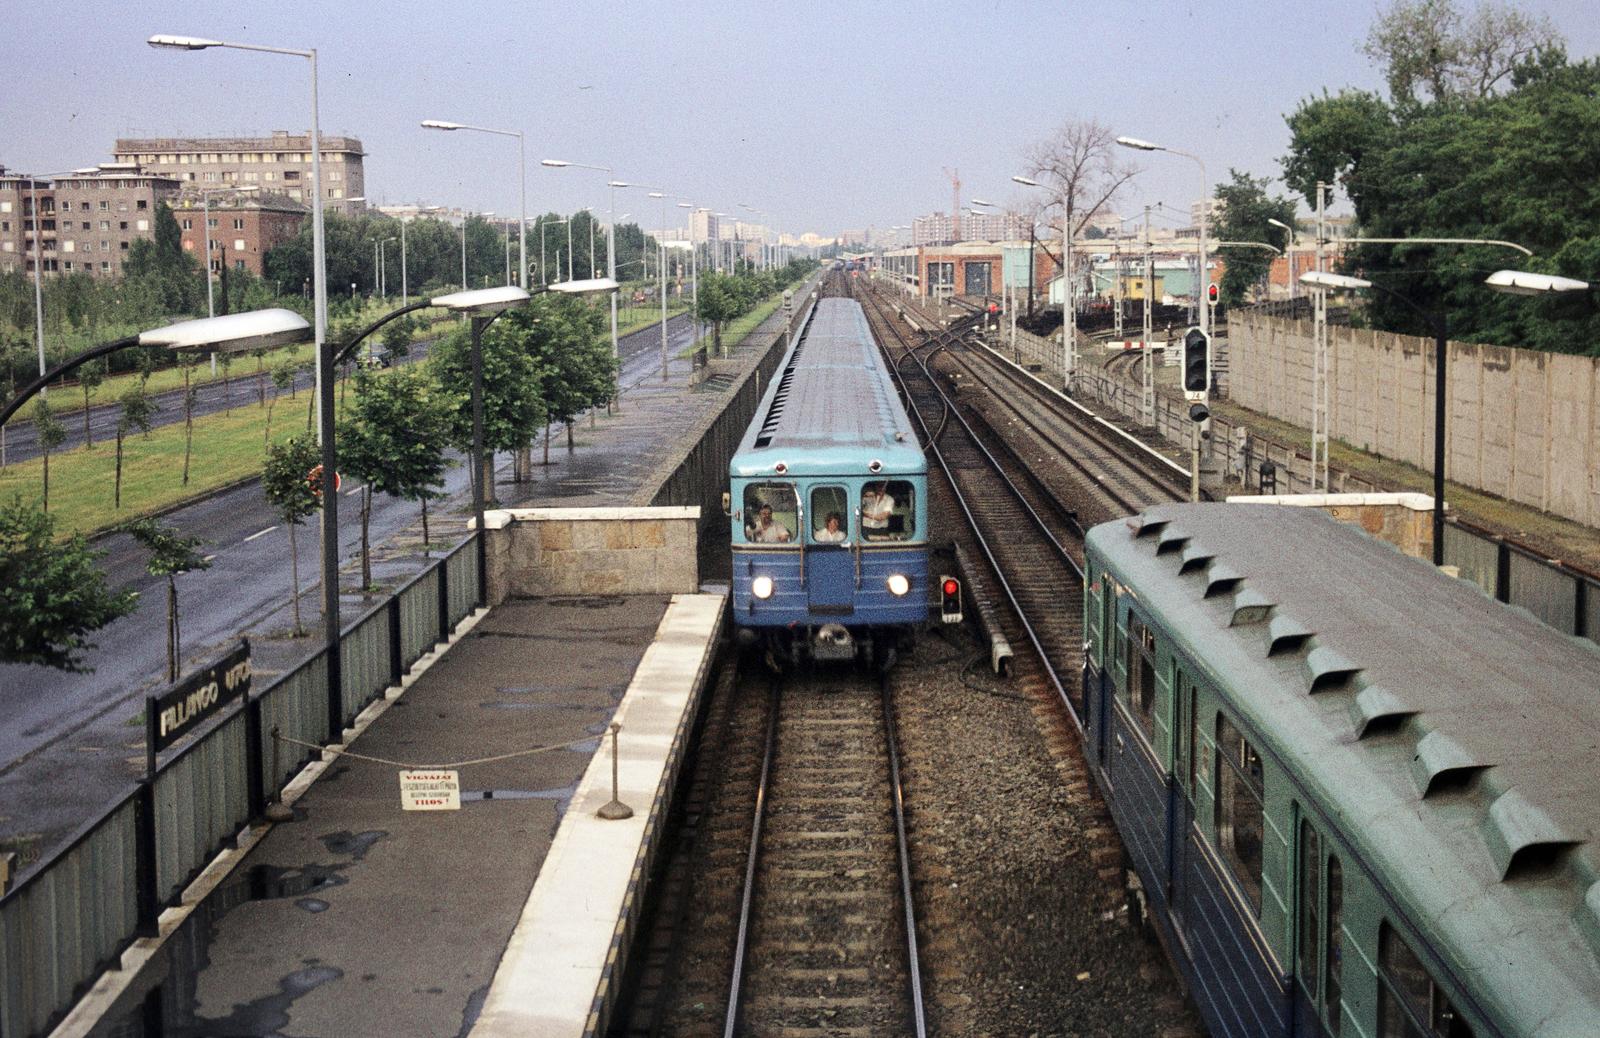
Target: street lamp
694	269
522	184
1069	317
1294	283
611	253
383	263
1514	282
38	262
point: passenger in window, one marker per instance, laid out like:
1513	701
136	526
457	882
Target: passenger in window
765	530
833	532
876	507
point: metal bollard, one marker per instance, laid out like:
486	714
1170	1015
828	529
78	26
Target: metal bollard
616	810
276	810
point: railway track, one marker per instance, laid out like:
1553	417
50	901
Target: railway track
827	939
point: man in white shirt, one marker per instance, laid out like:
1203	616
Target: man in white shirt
765	531
876	507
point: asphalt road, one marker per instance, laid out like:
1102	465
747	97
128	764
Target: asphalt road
247	584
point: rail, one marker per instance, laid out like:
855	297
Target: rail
71	915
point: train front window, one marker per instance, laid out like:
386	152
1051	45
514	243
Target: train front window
888	510
830	515
769	513
1239	814
1410	1003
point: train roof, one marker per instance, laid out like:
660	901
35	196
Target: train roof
1451	738
832	408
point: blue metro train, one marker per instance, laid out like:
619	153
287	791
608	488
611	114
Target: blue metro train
828	503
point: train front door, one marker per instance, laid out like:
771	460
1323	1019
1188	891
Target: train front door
830	559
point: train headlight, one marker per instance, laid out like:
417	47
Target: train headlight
898	584
761	587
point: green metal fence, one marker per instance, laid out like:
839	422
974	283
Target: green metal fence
70	917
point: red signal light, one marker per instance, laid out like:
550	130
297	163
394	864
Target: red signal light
950	586
1211	293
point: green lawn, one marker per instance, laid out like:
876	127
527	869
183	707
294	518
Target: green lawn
68	399
735	331
227	448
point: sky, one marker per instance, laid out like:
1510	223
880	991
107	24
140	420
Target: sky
826	116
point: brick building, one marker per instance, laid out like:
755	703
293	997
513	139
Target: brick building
280	164
243	228
86	221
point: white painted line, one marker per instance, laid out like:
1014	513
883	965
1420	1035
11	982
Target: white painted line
352	493
259	533
208	558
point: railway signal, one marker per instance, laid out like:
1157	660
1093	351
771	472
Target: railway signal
949	600
1196	364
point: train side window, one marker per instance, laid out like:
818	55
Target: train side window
781	498
1194	737
888	510
1321	903
1333	959
1310	898
1238	809
1410	1004
830	515
1141	686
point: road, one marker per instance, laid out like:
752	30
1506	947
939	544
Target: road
246	588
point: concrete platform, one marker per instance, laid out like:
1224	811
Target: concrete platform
361	919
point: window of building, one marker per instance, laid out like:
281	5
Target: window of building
7	246
142	204
67	266
295	194
122	225
1410	1003
238	264
83	206
269	175
85	226
5	207
211	225
5	225
1238	809
122	207
143	225
188	224
69	246
105	225
333	175
291	175
125	249
334	192
105	206
213	176
105	246
238	223
238	245
105	266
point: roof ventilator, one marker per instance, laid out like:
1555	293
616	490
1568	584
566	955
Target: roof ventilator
1171	540
1442	764
1194	558
1145	525
1329	670
1287	635
1522	838
1377	711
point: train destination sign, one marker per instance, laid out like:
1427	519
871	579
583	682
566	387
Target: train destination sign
184	707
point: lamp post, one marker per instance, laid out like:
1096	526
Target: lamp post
522	183
383	264
611	255
694	270
1205	207
38	262
1069	316
544	275
1514	282
1294	284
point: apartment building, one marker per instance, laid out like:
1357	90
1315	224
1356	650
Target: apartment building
86	222
243	228
280	164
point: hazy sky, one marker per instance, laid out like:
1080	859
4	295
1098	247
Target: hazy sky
828	115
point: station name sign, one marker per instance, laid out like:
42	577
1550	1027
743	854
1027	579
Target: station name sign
188	704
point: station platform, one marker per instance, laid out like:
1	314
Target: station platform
506	916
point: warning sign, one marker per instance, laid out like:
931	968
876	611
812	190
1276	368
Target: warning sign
430	791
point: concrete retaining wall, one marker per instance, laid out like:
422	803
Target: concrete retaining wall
1404	520
1523	424
592	551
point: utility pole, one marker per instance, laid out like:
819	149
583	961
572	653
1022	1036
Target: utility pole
1319	360
1147	398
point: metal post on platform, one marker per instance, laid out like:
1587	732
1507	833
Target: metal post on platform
616	810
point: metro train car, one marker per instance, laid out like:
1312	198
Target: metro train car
1358	797
828	503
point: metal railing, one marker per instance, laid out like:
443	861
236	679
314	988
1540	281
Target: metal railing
70	916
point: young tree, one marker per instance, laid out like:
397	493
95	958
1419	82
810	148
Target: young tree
282	378
187	362
52	595
51	433
394	441
171	553
285	482
513	410
90	376
1246	208
225	362
720	300
137	409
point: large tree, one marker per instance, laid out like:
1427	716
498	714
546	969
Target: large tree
1522	166
1449	52
1078	164
52	595
1246	208
513	408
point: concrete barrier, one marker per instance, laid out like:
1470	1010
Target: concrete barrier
591	551
1404	520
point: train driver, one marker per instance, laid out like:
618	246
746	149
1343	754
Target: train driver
765	530
833	532
876	506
